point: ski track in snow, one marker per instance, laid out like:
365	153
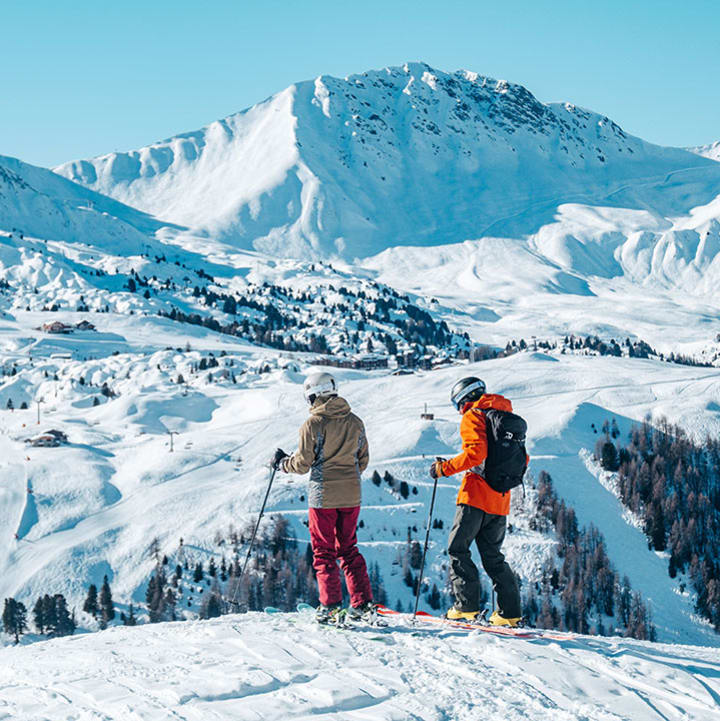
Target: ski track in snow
254	666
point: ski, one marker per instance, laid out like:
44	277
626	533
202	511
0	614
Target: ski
505	631
345	624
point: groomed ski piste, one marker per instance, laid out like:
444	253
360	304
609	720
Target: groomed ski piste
258	667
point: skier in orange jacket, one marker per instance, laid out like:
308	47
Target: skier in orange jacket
481	514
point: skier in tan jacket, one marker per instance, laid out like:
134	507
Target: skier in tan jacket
333	447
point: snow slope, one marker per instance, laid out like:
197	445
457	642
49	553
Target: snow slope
499	289
407	155
98	503
261	667
501	215
101	500
37	202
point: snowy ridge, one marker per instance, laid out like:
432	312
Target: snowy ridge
258	666
712	150
37	202
412	156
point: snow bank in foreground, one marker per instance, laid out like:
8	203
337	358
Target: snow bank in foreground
260	667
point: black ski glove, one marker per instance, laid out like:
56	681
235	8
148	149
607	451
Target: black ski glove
277	458
436	468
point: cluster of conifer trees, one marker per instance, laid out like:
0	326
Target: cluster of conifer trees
631	349
594	345
582	578
399	487
409	559
673	484
51	617
279	575
273	315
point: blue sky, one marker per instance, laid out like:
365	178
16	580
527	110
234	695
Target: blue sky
81	78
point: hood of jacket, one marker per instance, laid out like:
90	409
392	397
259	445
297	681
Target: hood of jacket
332	407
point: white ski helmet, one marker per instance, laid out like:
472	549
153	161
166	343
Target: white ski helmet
319	384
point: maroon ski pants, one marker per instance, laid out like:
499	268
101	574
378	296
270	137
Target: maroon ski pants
333	535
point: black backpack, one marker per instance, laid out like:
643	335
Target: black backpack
507	459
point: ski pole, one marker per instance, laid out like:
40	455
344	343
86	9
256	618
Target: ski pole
252	540
427	540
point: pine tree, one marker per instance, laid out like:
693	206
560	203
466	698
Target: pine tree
212	604
198	574
91	602
65	624
609	455
106	602
408	578
155	596
39	615
14	618
169	606
130	619
415	555
545	618
433	598
49	613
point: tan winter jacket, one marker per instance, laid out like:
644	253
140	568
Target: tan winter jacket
333	447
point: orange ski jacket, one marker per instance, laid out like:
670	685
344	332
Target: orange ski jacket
474	490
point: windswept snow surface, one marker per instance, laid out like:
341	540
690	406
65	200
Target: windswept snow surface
252	667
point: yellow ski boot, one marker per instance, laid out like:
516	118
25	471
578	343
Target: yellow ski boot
497	620
453	614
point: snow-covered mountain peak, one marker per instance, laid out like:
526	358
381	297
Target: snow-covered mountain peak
469	98
412	155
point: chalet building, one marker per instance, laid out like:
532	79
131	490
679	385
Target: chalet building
366	362
56	327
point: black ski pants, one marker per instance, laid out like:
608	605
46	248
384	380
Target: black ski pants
488	532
